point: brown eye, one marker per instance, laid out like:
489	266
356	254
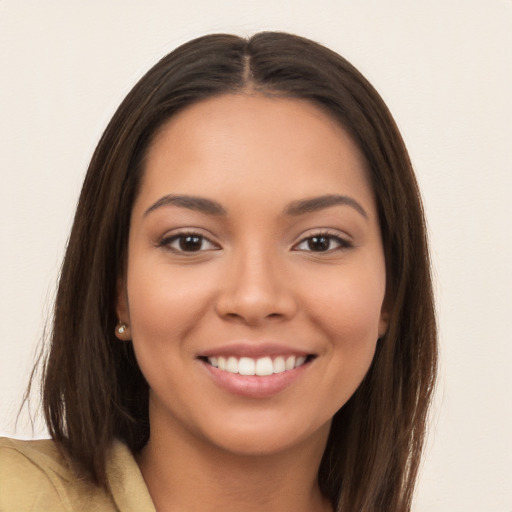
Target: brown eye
188	243
319	243
323	243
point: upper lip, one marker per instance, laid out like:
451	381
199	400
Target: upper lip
253	350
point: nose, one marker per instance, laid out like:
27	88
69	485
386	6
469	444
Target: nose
255	289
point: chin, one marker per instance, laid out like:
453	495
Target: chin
263	439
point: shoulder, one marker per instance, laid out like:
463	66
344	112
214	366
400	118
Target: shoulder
36	476
28	455
29	475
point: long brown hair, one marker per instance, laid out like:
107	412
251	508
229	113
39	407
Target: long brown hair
93	390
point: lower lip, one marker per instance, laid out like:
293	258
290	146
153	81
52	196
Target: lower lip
255	386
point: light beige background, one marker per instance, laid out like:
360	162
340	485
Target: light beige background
445	69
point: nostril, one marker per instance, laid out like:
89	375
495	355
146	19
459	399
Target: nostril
254	302
233	315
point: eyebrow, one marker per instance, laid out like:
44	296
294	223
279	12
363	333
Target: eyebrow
295	208
314	204
199	204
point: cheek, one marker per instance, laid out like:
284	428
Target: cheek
165	311
347	309
349	306
351	326
164	304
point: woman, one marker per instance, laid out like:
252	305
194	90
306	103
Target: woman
244	317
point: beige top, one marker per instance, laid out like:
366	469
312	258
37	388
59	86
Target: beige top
35	477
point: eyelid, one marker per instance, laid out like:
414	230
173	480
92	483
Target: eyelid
166	240
344	241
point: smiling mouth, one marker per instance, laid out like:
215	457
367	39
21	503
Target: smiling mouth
262	366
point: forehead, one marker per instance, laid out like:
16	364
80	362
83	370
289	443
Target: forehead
241	143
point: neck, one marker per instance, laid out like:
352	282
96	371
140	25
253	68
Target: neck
183	473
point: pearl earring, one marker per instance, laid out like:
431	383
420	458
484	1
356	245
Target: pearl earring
121	328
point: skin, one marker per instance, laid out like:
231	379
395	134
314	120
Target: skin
255	276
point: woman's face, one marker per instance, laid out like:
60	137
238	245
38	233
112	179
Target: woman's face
255	279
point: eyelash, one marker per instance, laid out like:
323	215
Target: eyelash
341	243
180	238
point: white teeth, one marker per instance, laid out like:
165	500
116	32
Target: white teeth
246	366
262	366
279	365
232	365
300	361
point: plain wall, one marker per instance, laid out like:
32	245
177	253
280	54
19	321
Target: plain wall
445	69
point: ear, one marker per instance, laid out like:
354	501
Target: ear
384	317
123	331
383	324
